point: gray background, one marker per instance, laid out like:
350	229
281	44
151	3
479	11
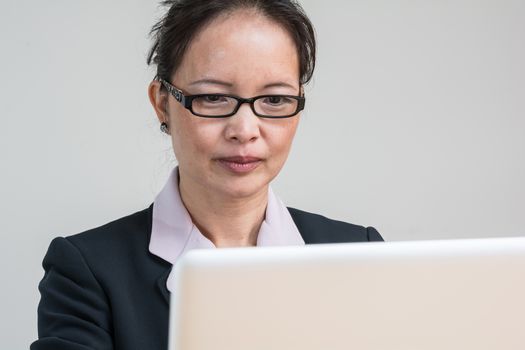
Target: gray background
414	124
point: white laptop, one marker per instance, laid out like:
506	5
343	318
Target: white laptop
454	294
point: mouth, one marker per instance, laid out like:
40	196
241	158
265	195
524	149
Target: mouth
239	164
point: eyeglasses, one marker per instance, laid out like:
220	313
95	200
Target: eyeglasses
223	105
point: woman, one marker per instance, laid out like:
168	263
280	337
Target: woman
229	92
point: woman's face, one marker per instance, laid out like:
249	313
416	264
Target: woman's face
246	55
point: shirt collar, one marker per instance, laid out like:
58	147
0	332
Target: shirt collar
173	232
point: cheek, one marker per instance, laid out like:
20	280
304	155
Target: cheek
281	137
194	138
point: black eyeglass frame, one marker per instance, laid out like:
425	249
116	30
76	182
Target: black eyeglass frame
187	101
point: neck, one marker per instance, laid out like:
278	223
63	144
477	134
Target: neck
226	221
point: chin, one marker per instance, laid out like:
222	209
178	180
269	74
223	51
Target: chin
243	187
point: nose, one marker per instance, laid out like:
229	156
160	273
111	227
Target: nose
243	126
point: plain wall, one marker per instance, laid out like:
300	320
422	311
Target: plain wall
415	124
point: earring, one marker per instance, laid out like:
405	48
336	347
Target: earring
164	128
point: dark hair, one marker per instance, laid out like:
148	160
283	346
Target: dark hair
174	32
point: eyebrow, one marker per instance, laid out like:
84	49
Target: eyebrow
279	84
211	82
227	84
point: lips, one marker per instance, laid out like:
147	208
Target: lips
240	164
241	159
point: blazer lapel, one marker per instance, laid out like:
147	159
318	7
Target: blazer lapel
161	285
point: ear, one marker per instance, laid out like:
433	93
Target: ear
159	100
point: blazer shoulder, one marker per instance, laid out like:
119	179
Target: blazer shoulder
90	280
122	229
316	228
115	241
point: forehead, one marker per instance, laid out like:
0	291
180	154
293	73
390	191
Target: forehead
241	47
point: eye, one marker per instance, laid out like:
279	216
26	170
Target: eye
214	99
276	100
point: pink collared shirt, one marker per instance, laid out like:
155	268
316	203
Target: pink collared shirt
173	232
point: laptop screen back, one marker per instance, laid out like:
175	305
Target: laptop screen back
458	294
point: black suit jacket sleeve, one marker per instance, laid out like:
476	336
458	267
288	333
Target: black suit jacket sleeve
76	313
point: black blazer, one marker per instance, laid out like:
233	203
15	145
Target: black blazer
103	289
